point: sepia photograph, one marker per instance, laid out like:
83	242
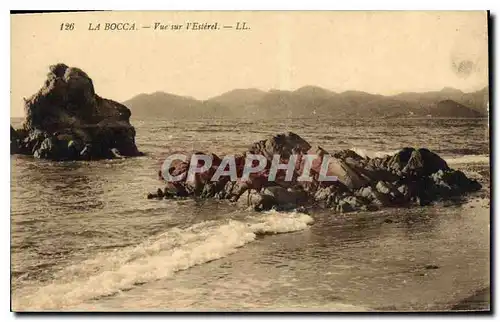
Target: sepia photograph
250	161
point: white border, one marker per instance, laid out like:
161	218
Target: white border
193	5
256	5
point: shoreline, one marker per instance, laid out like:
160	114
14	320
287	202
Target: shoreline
479	301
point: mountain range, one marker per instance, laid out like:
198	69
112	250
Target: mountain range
313	101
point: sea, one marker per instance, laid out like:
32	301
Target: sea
84	237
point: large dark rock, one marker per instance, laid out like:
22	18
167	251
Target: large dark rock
67	120
284	144
410	176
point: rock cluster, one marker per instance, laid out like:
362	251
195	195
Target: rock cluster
411	176
67	120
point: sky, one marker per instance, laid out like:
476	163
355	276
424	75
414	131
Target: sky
377	52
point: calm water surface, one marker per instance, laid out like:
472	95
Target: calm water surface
85	237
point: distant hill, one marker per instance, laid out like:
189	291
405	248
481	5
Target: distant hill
475	100
450	108
160	104
312	101
239	97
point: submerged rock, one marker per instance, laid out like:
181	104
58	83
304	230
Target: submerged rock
15	142
410	176
67	120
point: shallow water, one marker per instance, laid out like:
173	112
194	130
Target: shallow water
85	237
418	259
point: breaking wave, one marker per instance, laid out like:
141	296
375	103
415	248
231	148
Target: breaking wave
461	159
481	158
160	257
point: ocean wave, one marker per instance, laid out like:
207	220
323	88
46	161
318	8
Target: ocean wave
463	151
160	257
373	154
478	158
461	159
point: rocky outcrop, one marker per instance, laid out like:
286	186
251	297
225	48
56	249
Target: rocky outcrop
67	120
411	176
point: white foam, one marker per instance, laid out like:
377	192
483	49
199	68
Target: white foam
476	158
479	158
161	257
373	154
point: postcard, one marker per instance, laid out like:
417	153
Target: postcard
250	161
